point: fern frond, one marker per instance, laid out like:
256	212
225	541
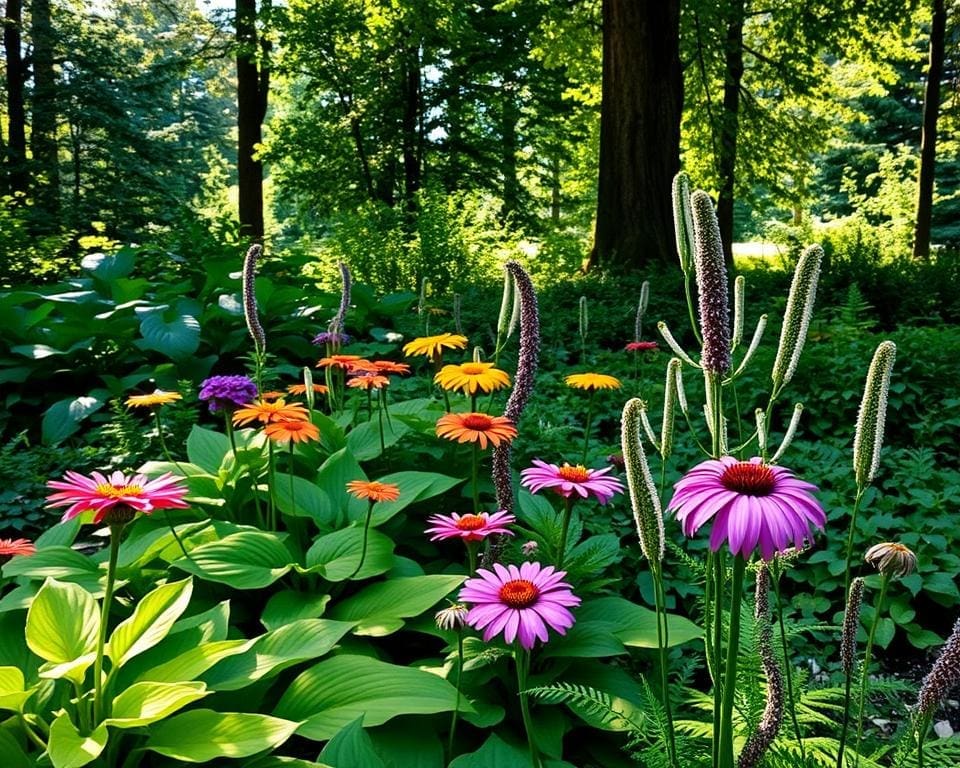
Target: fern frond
597	708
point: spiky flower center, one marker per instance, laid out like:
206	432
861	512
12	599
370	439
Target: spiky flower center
119	491
473	369
471	522
577	474
477	421
749	479
519	593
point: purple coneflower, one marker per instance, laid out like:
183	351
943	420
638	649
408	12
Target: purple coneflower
227	392
520	602
568	480
751	504
470	527
334	338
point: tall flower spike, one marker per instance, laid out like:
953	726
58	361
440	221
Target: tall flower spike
943	677
250	298
670	392
681	392
674	344
644	498
584	319
738	306
790	433
796	318
683	220
502	318
528	359
641	310
868	438
711	275
337	323
851	623
761	739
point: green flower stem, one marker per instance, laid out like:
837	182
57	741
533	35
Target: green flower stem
456	706
718	681
865	671
271	482
690	313
472	557
922	728
475	477
116	531
586	429
663	640
31	734
853	527
730	675
166	453
363	550
522	659
564	527
710	652
787	666
293	506
381	407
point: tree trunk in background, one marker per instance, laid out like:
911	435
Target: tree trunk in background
16	152
252	87
928	142
43	128
730	126
639	133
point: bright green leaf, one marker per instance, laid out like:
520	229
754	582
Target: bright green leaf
63	622
389	601
151	621
337	555
145	703
203	734
68	748
243	560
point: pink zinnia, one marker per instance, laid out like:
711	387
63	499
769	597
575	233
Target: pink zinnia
520	602
641	346
101	493
470	527
567	480
10	547
750	503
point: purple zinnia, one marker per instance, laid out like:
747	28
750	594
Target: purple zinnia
750	503
568	480
225	392
334	338
520	602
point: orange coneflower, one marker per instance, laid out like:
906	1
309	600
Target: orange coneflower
270	412
388	366
301	389
362	366
476	428
297	431
471	377
373	490
158	397
272	395
368	381
338	361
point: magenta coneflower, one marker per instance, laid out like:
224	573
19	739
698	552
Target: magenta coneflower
102	494
470	527
520	602
751	504
567	480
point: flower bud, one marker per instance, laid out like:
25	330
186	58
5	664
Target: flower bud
796	318
789	434
674	345
644	498
584	320
754	343
641	310
669	408
452	618
683	220
872	418
892	559
738	308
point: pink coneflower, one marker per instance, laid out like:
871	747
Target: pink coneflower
750	503
641	346
470	527
567	480
520	602
11	547
102	494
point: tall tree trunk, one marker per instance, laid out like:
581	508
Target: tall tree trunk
730	126
43	129
928	142
252	87
411	122
17	175
639	133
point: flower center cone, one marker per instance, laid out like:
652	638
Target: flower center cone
519	593
749	479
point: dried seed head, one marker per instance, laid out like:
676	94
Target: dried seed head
851	623
872	418
943	677
796	318
711	275
644	498
892	559
683	220
452	617
250	298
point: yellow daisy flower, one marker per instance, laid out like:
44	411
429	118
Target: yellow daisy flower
592	381
433	346
470	377
159	397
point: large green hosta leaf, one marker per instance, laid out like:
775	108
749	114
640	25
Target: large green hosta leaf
203	734
145	703
380	608
337	555
68	748
242	560
62	623
151	621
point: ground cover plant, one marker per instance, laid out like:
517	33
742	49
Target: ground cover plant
399	555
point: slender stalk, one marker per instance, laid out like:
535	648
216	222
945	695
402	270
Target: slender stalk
471	557
475	477
116	531
381	407
718	681
366	533
693	320
922	729
865	672
564	527
663	639
522	658
730	675
586	429
293	506
31	734
456	706
272	482
853	527
787	666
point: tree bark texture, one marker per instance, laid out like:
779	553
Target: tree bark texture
252	86
928	141
639	133
730	126
43	128
17	174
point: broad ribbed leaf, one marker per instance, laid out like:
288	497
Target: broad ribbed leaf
352	747
177	338
203	734
68	748
331	694
12	693
495	753
337	555
635	625
57	561
150	622
243	560
308	500
414	487
206	448
275	651
62	622
145	703
289	606
383	605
